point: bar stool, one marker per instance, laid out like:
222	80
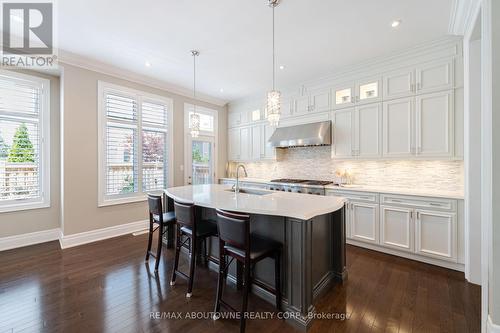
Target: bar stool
236	241
158	220
195	230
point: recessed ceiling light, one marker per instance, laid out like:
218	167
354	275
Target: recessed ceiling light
282	67
221	90
395	23
147	64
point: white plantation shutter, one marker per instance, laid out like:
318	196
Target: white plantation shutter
23	173
154	121
121	145
134	154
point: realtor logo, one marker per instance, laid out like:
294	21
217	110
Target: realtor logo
28	34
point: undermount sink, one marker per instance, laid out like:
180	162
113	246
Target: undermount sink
251	191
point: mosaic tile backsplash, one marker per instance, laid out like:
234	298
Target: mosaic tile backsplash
315	163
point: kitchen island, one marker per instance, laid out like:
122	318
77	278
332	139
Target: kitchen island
311	229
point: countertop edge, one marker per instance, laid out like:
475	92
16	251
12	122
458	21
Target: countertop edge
367	189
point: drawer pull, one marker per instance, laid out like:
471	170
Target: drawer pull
395	200
434	204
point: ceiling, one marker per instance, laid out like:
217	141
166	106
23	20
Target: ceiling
313	37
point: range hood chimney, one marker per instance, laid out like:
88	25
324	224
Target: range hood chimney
315	134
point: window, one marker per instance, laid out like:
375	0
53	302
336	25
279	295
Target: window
24	142
134	138
206	118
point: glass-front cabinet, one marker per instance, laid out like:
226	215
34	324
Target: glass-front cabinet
343	96
368	91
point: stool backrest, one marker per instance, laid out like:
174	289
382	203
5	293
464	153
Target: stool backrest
155	207
184	214
234	228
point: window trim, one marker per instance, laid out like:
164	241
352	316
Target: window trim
44	121
141	96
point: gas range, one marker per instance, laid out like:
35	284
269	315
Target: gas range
299	185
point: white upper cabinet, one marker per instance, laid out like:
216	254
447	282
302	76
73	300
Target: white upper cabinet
268	151
233	144
302	105
256	145
343	133
400	83
343	96
245	143
434	76
398	128
233	119
320	100
368	91
434	124
367	131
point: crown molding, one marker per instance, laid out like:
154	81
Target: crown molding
444	46
461	15
104	68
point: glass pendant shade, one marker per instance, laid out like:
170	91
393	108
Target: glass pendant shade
273	107
195	125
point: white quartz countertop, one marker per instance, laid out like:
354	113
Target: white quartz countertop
295	205
376	189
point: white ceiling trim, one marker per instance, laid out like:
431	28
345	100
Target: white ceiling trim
461	14
83	62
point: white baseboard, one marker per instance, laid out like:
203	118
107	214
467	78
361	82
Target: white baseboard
491	327
67	241
12	242
432	261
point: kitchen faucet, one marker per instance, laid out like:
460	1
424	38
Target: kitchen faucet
237	186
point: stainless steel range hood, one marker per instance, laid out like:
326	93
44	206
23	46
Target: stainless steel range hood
315	134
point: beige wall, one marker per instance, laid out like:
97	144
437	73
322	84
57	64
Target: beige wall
20	222
79	140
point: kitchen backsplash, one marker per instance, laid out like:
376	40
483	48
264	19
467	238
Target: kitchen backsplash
315	163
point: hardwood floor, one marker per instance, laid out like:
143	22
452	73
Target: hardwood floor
107	287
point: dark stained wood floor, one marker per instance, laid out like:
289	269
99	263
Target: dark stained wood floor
106	287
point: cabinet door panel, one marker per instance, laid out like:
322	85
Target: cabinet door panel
399	84
343	96
369	91
301	105
436	235
268	151
245	143
364	222
320	100
397	129
396	227
233	119
434	128
343	133
233	144
367	131
256	142
435	76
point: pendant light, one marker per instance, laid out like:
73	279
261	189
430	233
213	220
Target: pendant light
194	117
273	105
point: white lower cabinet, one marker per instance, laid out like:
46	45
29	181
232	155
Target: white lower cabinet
363	220
397	227
414	226
436	234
